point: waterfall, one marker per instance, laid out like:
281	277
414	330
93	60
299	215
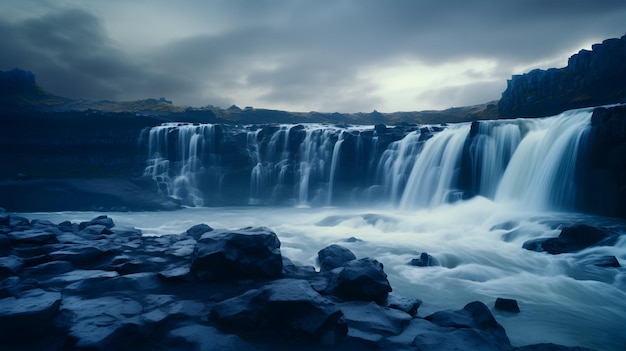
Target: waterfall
175	169
433	177
541	173
530	162
333	166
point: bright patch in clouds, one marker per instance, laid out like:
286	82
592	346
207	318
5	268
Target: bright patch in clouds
406	84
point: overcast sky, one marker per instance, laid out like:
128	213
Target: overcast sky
298	55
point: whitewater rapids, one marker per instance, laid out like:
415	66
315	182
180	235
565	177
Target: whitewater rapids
562	300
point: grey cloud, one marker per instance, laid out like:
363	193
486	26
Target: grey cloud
300	53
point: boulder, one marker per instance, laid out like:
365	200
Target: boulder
370	318
403	304
205	338
334	256
475	324
362	280
241	313
572	239
551	347
198	230
32	237
10	265
94	230
5	219
604	261
105	323
29	314
475	315
425	260
248	253
509	305
84	255
100	220
289	306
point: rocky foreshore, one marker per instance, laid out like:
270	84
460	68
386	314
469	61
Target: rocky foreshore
96	286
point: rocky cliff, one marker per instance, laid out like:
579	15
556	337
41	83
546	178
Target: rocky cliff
591	78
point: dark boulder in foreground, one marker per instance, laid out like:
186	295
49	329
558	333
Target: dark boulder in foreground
362	280
63	287
334	256
242	254
572	239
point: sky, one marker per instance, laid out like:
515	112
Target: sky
298	55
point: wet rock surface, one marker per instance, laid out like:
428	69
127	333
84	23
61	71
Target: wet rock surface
572	239
69	287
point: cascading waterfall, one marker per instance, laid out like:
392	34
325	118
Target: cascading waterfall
333	166
541	173
531	162
175	168
435	170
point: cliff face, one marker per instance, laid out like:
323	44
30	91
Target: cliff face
602	179
591	78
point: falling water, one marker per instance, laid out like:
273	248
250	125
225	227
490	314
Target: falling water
530	162
435	171
541	173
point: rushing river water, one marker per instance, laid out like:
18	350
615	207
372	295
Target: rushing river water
562	299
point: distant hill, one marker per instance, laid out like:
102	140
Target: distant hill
20	92
591	78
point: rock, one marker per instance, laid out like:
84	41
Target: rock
205	338
182	273
591	78
53	268
425	260
5	219
551	347
289	306
293	304
68	226
197	230
575	238
334	256
95	230
100	220
18	223
28	315
241	313
605	261
509	305
105	323
84	255
5	244
371	318
32	237
475	315
571	239
78	276
404	304
362	280
241	254
10	265
136	284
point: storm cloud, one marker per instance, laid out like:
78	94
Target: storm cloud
347	56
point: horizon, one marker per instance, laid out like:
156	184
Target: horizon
347	57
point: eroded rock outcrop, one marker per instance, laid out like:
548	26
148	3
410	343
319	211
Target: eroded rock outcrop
591	78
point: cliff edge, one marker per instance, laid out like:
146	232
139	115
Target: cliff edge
591	78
